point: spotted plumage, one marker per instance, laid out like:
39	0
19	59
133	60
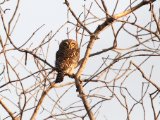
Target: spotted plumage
67	58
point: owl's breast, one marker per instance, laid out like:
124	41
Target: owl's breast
67	60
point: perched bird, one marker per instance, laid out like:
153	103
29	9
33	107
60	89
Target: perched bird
67	58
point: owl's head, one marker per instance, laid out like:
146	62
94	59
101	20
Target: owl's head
68	44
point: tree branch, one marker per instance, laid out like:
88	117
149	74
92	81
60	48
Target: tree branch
144	76
8	111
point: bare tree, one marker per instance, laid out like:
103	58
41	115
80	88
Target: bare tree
117	73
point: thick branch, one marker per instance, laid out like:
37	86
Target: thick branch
8	111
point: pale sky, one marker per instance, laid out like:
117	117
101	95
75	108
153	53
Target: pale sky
53	14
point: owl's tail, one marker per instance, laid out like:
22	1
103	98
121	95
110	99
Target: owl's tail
59	77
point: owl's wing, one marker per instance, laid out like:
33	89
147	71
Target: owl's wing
58	55
78	54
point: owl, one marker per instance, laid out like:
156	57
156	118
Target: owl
67	58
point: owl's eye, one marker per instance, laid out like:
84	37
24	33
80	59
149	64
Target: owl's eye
66	43
72	45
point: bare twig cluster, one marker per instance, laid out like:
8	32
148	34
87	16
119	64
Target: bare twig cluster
108	70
